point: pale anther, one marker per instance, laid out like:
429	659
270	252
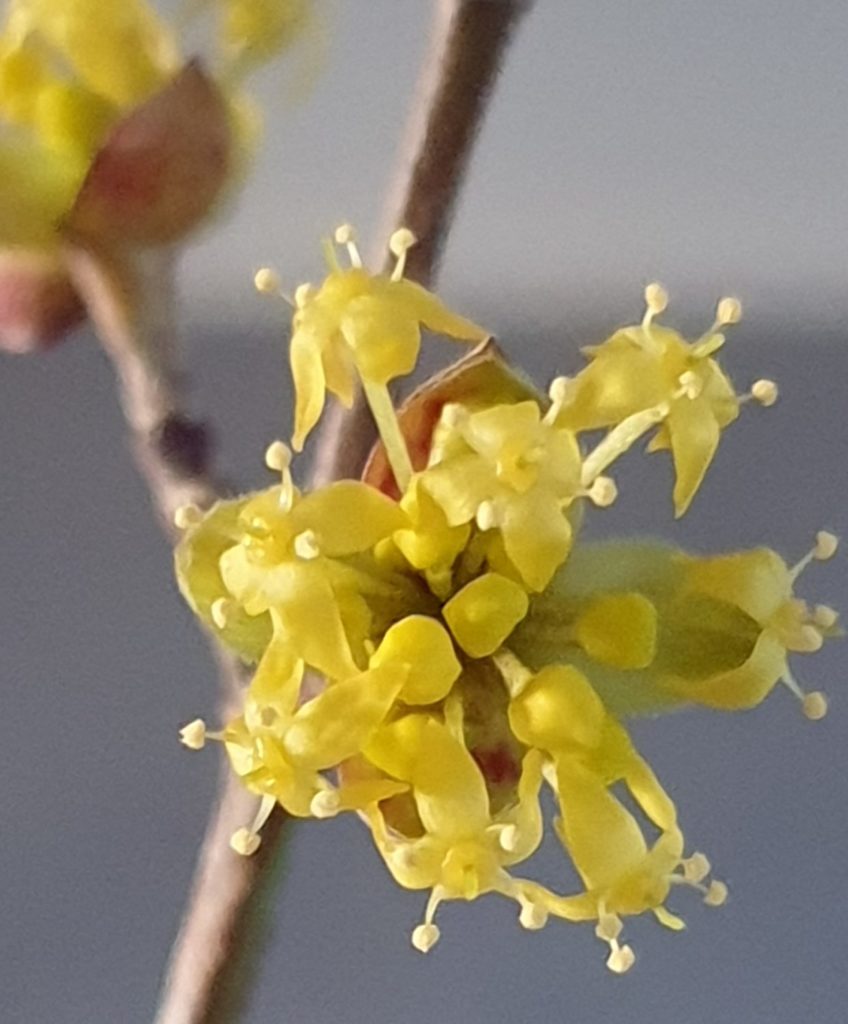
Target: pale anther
656	299
267	281
302	294
325	804
454	416
826	545
306	545
186	516
278	456
765	392
621	960
811	639
532	916
220	611
400	241
488	517
425	936
729	311
814	705
244	842
603	492
346	235
825	617
193	735
690	384
716	894
508	838
695	868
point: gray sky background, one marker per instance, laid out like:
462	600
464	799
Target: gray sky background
702	144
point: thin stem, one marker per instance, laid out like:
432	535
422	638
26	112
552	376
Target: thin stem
469	42
130	302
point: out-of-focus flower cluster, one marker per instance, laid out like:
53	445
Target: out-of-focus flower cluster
435	643
107	133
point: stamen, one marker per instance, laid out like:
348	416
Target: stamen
696	868
489	516
656	301
690	385
246	841
194	735
346	236
824	549
558	392
825	617
728	311
267	282
716	894
220	610
325	804
608	929
515	675
619	439
302	294
425	936
454	416
532	916
400	242
603	492
813	704
508	838
186	516
278	456
306	545
621	959
765	392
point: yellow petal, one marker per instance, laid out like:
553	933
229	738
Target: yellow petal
309	383
694	434
347	517
483	614
39	186
537	538
618	630
420	647
430	311
334	725
557	709
385	343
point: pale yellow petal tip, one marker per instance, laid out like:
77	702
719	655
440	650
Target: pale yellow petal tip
278	456
716	894
814	705
187	516
194	735
244	842
826	546
729	311
425	936
325	804
766	392
825	617
621	960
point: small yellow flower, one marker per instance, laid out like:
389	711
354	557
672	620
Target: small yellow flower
361	324
647	366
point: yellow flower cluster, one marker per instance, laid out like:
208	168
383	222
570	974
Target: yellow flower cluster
70	70
434	644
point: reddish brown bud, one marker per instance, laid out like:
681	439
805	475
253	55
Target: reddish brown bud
161	167
38	303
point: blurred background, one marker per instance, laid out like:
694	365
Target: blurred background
700	144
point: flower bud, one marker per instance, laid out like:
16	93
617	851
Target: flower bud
38	303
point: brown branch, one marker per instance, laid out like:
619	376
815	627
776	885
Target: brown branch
469	42
128	301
